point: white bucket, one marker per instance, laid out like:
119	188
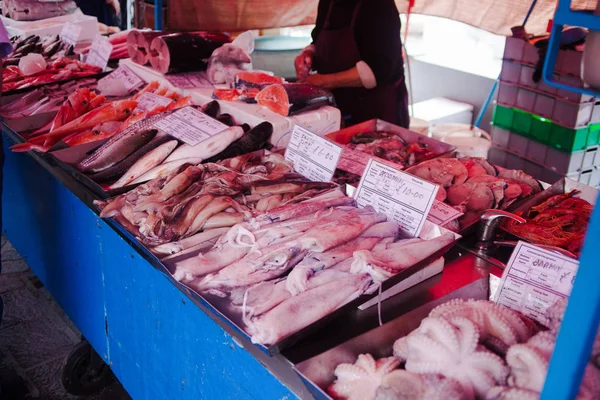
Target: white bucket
419	125
469	140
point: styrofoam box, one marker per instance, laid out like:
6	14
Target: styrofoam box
500	137
53	26
440	110
320	122
511	71
507	94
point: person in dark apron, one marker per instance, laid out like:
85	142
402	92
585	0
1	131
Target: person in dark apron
357	53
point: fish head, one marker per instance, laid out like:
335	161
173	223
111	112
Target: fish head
124	108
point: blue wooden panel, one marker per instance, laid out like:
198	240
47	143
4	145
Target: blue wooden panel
54	232
164	346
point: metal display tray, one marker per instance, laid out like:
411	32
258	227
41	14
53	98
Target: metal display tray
564	185
234	317
463	277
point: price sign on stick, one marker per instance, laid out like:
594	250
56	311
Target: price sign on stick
534	279
313	156
127	76
403	197
70	33
100	52
149	101
190	125
441	213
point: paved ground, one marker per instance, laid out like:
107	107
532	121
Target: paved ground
35	337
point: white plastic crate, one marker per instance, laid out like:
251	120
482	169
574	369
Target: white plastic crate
526	77
526	99
518	144
507	94
500	137
596	114
511	72
536	151
544	105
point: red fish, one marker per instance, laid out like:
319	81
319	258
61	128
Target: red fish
104	131
115	111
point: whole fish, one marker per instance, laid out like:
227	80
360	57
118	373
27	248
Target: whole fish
119	151
103	131
99	154
146	163
250	141
208	148
165	168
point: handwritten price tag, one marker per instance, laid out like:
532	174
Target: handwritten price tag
189	80
100	52
313	156
148	101
441	213
131	81
534	279
190	125
403	197
70	33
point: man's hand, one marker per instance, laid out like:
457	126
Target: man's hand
319	80
303	64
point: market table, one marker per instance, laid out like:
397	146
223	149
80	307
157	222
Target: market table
160	340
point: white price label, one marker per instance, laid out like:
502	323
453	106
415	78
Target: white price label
441	213
190	125
100	52
534	279
70	33
148	101
131	81
189	80
404	198
313	156
355	161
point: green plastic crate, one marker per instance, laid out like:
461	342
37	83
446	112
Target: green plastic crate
594	135
545	131
503	117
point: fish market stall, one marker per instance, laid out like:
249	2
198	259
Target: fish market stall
232	242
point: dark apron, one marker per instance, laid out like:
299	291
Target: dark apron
336	51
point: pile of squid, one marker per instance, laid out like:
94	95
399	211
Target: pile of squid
472	184
287	268
464	349
560	221
45	99
143	152
86	116
193	198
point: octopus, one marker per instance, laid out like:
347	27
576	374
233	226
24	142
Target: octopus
554	315
450	347
370	379
511	393
528	363
360	381
499	327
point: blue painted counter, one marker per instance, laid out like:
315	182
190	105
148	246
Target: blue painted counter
159	343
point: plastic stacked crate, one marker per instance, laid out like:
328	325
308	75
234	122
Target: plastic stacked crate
546	132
